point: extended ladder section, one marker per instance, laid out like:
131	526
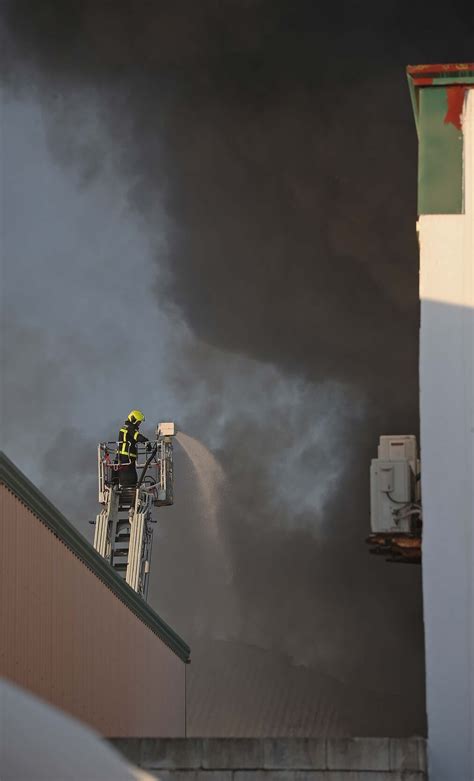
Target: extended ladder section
124	527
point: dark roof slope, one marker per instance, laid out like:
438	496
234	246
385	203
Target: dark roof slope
48	514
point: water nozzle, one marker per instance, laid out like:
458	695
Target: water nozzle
165	430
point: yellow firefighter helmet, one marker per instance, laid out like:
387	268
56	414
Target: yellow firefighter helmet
136	416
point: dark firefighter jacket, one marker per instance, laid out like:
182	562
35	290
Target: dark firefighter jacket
128	438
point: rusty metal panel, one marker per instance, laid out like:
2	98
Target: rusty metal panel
66	637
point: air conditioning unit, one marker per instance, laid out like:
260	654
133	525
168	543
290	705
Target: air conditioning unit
394	484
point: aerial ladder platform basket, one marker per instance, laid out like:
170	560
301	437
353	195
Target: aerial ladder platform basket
124	527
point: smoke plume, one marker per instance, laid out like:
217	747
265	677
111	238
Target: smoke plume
212	216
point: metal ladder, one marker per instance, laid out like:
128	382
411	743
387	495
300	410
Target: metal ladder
123	534
124	528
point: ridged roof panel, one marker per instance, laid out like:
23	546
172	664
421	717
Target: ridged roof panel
51	517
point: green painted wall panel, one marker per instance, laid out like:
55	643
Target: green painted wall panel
440	163
462	77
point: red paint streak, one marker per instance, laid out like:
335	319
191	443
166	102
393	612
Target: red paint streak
423	82
455	94
446	68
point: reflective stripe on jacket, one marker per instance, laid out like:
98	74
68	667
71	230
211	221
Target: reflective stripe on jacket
128	438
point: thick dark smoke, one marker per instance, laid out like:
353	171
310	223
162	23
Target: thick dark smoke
275	141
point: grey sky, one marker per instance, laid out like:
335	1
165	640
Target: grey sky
76	267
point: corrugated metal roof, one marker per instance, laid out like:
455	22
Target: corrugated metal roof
50	516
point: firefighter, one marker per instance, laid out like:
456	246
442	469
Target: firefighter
129	436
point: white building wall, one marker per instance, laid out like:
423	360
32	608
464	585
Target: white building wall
447	431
